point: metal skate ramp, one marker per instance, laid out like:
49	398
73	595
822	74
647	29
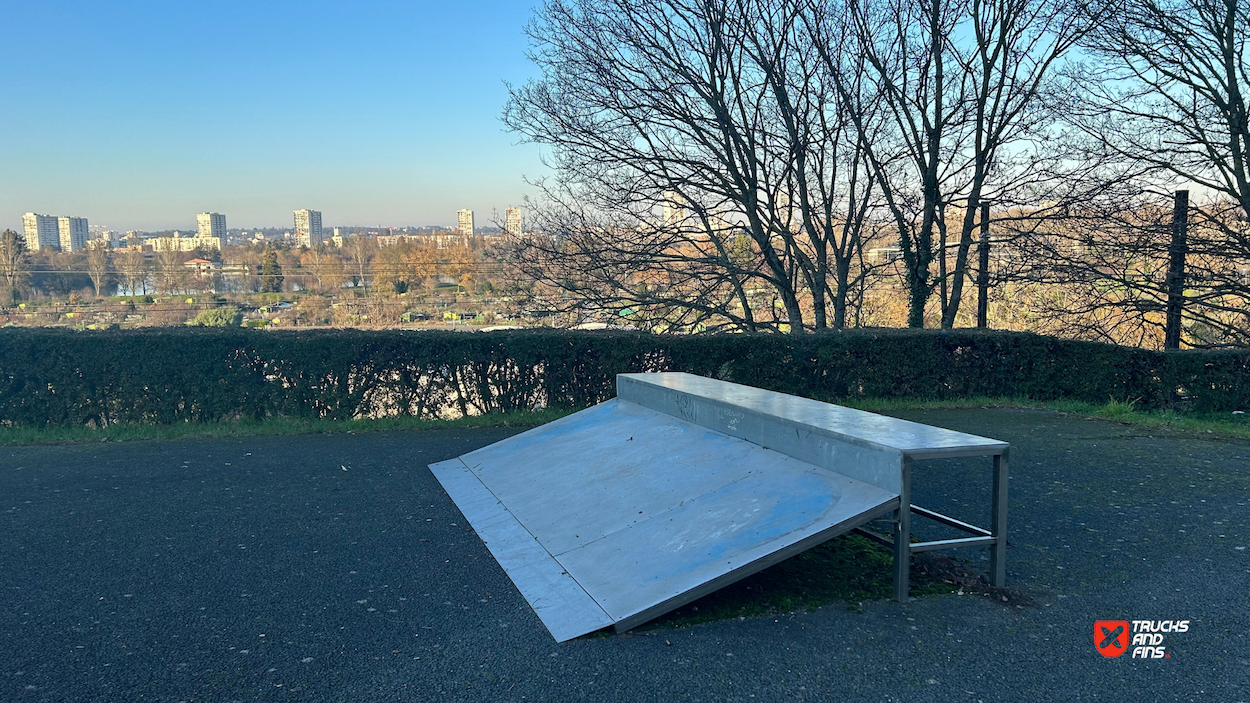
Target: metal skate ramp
620	513
682	485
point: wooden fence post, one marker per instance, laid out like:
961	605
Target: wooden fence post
983	274
1177	251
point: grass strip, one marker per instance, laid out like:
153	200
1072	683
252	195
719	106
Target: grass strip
1163	421
268	426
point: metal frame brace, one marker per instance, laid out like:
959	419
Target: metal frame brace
900	541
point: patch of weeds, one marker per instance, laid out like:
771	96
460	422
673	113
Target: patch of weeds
1117	410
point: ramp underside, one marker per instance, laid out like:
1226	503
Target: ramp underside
618	514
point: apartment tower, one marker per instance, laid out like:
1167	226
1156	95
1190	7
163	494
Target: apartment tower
72	233
42	231
465	220
512	221
308	227
210	224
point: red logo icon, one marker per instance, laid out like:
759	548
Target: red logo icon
1111	637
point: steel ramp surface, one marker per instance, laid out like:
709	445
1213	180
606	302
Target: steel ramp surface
619	513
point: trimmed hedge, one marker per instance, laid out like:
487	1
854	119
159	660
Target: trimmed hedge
66	378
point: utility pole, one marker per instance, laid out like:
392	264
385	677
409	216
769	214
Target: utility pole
1177	251
983	274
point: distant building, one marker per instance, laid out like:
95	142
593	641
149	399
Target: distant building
73	233
386	240
210	224
202	267
464	218
675	212
180	243
42	231
308	227
885	255
512	219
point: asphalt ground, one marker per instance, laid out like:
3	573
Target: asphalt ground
334	568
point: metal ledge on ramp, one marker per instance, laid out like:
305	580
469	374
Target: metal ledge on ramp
620	513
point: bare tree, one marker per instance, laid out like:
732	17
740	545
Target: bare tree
1165	91
1103	271
964	82
907	46
726	164
1016	46
98	264
826	111
172	274
360	251
317	260
134	270
706	175
647	107
1168	88
14	263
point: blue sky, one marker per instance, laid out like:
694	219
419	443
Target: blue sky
138	115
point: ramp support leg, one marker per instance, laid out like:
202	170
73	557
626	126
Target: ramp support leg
998	519
902	536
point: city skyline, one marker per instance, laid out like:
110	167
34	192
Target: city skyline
39	228
388	116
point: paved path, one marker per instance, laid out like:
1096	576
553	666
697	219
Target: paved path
334	568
